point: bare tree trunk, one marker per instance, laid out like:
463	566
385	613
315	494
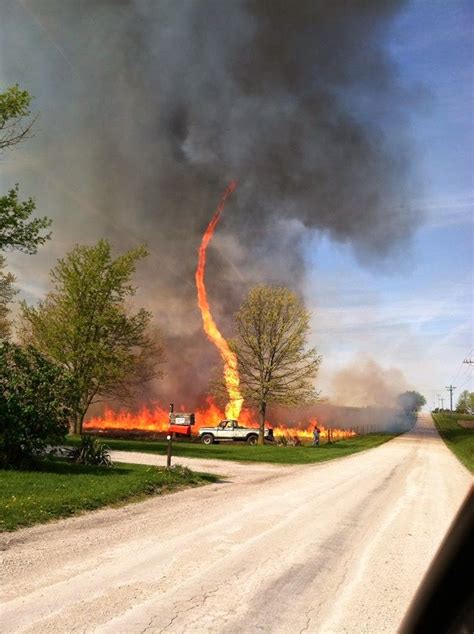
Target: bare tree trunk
74	423
261	431
80	421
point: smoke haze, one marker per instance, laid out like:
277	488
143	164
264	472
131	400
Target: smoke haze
148	109
365	383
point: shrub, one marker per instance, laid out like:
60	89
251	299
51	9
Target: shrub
90	452
34	404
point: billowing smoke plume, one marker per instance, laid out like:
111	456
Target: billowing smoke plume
365	383
148	109
364	396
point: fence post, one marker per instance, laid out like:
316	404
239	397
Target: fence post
168	451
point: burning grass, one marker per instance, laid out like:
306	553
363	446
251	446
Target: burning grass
155	421
60	489
303	454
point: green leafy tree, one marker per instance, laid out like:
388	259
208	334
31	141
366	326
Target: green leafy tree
35	397
7	293
17	229
465	404
84	325
272	327
15	116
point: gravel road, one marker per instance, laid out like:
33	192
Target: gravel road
335	547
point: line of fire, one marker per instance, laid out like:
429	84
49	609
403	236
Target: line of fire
210	423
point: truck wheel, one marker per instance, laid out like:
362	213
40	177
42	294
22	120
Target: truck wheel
207	439
252	439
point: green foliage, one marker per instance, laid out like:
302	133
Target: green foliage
85	326
457	438
90	452
61	488
465	404
272	329
251	453
14	109
34	404
7	293
16	230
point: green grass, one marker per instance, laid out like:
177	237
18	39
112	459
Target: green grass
458	439
243	452
460	416
60	489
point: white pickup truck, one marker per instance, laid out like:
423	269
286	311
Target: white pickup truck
231	430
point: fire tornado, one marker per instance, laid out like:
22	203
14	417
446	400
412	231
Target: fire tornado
231	373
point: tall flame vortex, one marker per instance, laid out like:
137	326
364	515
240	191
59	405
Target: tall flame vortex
231	373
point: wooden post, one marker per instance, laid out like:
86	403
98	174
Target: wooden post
168	451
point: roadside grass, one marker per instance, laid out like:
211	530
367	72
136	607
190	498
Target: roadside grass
60	489
246	453
459	439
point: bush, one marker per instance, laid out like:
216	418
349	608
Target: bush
91	452
34	404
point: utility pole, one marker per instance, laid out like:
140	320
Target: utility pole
469	361
442	402
451	389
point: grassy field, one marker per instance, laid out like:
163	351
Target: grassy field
243	452
460	416
458	439
60	489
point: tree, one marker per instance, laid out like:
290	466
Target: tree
16	230
15	121
465	404
272	327
84	325
7	293
411	401
35	397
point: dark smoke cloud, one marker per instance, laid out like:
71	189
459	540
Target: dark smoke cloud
150	108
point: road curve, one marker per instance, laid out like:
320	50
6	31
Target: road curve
334	547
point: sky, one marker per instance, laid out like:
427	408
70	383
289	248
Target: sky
406	317
417	314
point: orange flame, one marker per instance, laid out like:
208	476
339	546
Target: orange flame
155	420
231	374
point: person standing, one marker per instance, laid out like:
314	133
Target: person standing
316	434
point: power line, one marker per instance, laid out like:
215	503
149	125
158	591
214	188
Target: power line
460	367
465	382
